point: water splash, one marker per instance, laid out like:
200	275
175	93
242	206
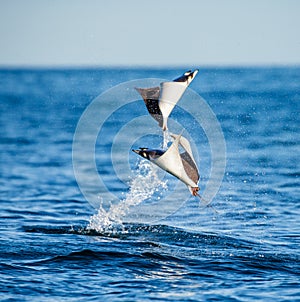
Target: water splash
166	139
142	186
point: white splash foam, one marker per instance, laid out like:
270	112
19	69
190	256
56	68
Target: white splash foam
166	139
142	186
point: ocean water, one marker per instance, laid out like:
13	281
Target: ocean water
55	245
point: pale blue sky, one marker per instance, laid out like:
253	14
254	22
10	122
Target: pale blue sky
156	32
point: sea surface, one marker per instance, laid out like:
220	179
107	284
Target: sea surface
55	245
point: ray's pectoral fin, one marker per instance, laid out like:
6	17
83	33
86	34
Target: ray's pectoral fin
151	100
190	167
179	165
171	92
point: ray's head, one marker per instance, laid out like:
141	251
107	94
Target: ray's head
143	152
149	154
187	77
190	75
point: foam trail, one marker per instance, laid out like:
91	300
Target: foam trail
142	186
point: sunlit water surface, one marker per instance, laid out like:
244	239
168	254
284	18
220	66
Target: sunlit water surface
54	246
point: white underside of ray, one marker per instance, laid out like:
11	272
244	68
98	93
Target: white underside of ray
170	93
185	145
171	162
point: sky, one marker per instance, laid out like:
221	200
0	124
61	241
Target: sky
149	33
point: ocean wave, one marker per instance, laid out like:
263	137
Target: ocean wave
161	243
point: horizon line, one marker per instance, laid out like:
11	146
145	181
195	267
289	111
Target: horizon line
148	66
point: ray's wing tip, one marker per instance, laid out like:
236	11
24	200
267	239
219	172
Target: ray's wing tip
193	74
139	90
177	136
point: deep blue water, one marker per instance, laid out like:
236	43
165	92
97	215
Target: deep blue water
243	248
